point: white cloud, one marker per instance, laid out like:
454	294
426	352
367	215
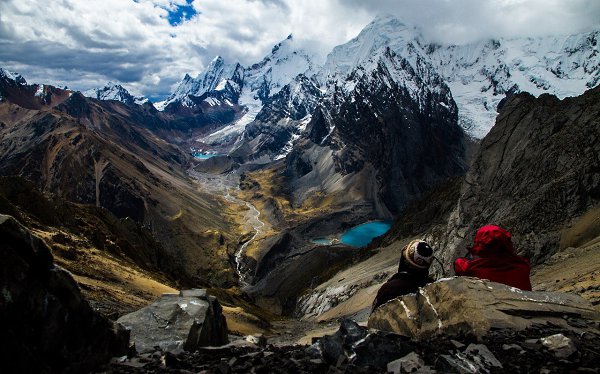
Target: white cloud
84	43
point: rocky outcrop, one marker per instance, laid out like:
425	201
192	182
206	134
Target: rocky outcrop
188	320
467	306
47	325
535	173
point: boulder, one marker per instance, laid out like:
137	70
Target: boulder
47	325
560	345
187	320
353	344
468	306
411	363
477	358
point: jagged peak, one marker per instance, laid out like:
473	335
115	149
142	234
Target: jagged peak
112	85
18	78
385	31
114	91
216	62
277	46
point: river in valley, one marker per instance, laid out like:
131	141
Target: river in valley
223	185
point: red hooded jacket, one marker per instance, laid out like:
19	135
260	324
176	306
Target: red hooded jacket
494	258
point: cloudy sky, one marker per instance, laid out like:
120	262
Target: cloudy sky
148	45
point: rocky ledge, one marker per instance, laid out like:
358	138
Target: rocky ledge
469	306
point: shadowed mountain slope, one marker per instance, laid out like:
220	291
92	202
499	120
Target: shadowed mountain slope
102	153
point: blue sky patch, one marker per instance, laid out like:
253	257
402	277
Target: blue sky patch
181	13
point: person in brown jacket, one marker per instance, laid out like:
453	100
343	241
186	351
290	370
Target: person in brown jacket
413	272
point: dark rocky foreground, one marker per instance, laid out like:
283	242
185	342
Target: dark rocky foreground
47	325
354	349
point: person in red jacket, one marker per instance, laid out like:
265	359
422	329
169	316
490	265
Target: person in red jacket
493	257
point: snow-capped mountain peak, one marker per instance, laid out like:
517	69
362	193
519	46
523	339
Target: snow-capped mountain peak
384	30
265	79
114	91
18	78
286	60
220	81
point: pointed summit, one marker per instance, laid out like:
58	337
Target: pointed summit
216	62
18	78
219	80
114	91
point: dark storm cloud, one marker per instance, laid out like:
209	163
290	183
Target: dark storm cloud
118	65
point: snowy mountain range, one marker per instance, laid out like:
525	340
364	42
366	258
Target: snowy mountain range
250	87
479	75
285	87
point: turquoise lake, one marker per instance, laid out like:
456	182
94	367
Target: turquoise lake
361	235
201	156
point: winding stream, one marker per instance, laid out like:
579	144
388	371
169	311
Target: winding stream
257	225
223	184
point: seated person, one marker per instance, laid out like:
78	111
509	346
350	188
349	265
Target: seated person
493	257
413	272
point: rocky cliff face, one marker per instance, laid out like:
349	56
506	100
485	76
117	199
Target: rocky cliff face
535	173
281	121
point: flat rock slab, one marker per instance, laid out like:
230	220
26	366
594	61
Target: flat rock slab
468	306
187	320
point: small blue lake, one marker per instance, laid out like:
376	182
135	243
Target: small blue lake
361	235
202	156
